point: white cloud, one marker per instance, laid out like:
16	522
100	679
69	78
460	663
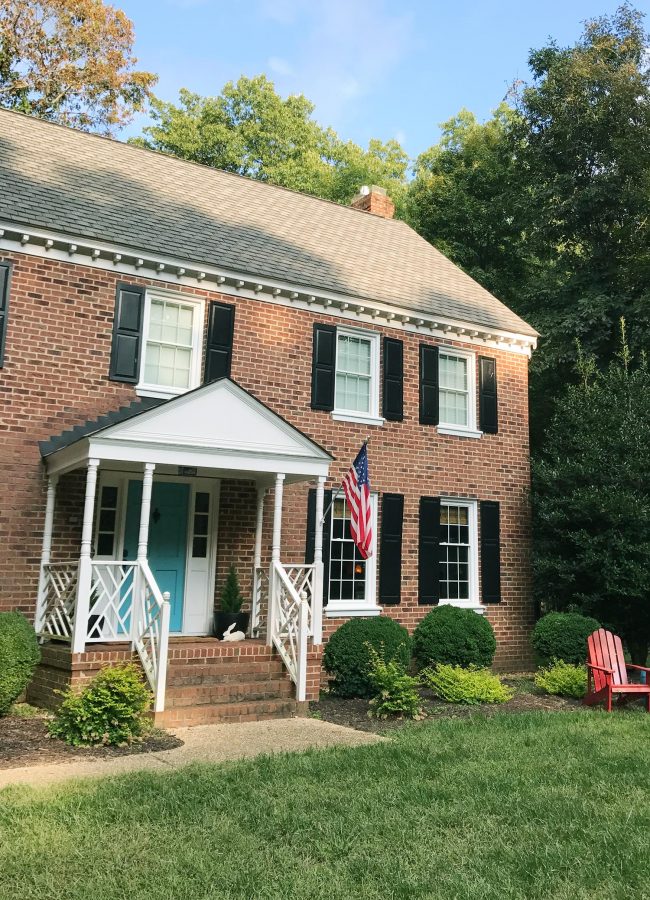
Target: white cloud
280	66
400	137
344	50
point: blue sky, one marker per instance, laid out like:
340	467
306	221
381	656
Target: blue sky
373	68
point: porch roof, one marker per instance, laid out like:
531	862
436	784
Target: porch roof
216	426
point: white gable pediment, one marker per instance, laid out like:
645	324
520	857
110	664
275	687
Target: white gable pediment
218	417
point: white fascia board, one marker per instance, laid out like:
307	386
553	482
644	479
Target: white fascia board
266	288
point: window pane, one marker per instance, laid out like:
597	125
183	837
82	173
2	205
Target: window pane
105	544
200	547
454	552
347	570
202	502
454	390
109	497
107	520
168	351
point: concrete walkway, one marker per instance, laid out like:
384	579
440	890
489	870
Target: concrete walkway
203	743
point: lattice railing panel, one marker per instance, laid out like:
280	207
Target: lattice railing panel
58	600
260	605
151	633
289	616
112	594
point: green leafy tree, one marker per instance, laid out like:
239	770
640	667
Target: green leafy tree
591	499
70	61
251	130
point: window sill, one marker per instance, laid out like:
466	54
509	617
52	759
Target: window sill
349	611
458	431
465	604
357	417
145	390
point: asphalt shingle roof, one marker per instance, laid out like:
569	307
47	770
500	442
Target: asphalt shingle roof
92	426
93	187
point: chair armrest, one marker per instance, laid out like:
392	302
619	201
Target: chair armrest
600	668
638	668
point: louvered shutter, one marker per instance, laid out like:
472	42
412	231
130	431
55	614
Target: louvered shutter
5	277
487	386
323	367
390	550
127	333
311	536
429	403
490	552
429	551
393	387
218	348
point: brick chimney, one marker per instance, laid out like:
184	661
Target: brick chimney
375	200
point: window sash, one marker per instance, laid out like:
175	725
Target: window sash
171	346
348	571
454	388
457	550
355	383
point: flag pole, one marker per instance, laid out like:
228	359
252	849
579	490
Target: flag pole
338	491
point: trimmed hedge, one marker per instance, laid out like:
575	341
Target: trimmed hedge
347	657
454	636
563	636
19	656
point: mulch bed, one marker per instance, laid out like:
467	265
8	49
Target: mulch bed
354	713
25	742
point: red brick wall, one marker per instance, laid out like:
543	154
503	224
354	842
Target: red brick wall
56	375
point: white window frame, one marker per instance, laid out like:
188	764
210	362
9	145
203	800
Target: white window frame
145	389
337	609
372	417
470	430
473	602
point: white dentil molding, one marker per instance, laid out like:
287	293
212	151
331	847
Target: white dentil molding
127	261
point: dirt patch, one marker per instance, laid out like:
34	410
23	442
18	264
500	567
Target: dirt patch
25	742
354	713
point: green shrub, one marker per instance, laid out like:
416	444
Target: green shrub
19	656
397	692
232	599
471	685
563	636
111	710
453	636
563	678
347	660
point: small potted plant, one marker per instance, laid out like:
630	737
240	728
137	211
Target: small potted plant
230	605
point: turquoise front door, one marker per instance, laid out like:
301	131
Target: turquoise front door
167	538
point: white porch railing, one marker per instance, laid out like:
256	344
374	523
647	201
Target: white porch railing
112	590
151	633
260	604
289	620
58	600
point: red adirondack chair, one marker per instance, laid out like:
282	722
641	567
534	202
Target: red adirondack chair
607	671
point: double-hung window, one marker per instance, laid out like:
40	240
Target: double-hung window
351	578
457	392
172	348
356	393
458	552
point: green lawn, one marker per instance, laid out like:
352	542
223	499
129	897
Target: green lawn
527	806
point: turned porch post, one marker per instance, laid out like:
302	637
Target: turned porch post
317	598
46	551
257	562
275	554
84	579
145	511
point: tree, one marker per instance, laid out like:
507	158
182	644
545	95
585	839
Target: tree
70	61
251	130
465	199
591	499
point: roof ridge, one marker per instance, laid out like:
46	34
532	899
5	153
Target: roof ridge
190	162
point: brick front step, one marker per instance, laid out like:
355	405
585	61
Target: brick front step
226	713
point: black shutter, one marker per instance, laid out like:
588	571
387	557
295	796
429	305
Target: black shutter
428	385
390	551
429	551
490	552
218	349
5	277
487	388
322	367
127	333
393	404
311	536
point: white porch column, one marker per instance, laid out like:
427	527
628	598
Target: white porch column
257	561
46	550
145	511
275	554
84	580
317	599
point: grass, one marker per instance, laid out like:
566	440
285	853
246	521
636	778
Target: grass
527	806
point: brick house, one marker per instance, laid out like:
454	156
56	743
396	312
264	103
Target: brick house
189	363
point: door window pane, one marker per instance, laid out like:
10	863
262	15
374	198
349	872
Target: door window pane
201	525
106	521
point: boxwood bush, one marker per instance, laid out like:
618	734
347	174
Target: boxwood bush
454	636
347	658
111	710
19	655
563	636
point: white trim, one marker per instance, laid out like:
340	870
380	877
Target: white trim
49	244
371	417
350	612
357	417
473	602
470	429
143	389
457	431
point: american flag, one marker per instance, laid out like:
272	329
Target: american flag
356	487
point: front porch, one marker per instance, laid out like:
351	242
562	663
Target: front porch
157	492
